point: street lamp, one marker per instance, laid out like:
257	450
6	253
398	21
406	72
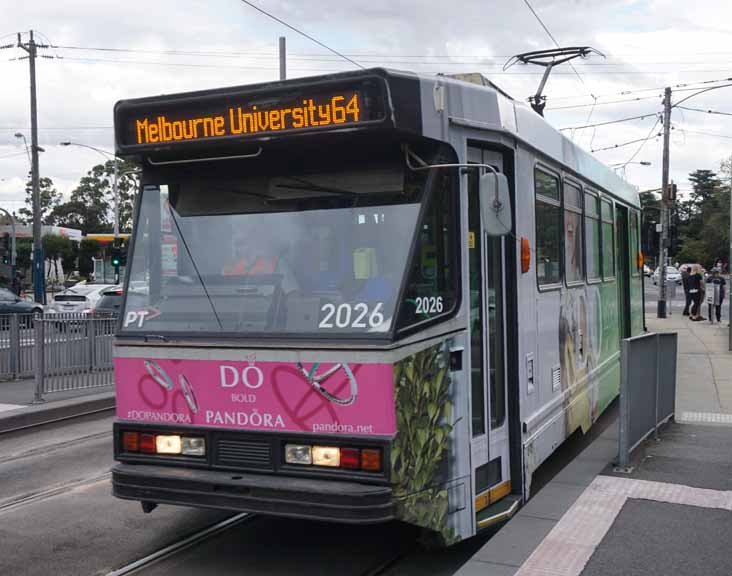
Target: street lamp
106	154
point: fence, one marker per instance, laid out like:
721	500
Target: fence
16	346
62	351
647	389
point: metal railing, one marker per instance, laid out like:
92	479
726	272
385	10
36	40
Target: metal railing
647	389
61	351
16	346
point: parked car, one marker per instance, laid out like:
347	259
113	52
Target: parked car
672	275
78	299
110	303
10	303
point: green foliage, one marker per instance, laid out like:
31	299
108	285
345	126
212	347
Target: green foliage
50	199
59	248
88	249
420	448
91	205
703	220
24	247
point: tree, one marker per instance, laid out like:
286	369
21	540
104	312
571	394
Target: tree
91	205
50	199
703	220
88	249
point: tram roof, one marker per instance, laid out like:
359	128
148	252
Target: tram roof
476	100
472	100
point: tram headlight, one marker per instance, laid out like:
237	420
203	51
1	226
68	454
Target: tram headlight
326	456
298	454
193	446
168	444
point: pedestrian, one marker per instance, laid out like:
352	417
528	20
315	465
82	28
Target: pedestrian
716	287
16	285
685	273
696	289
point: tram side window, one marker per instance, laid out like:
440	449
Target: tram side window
608	241
432	285
635	266
573	258
548	228
592	236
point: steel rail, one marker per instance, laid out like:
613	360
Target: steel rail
183	544
16	502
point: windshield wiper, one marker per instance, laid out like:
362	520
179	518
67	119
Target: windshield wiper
307	185
193	262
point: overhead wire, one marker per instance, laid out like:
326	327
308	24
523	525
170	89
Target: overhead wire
643	143
308	36
650	136
705	111
641	117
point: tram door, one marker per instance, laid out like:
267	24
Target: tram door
623	252
489	428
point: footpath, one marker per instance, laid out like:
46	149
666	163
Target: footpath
671	515
18	410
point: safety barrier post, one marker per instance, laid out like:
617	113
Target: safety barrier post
90	333
40	345
14	345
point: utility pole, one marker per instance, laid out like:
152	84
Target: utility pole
39	272
116	197
665	201
283	59
729	258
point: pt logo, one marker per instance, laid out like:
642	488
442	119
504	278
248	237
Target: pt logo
139	317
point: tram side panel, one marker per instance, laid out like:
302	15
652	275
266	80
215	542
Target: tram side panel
569	342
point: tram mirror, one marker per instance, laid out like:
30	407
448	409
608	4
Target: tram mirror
495	204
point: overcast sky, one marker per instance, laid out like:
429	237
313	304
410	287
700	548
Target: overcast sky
108	51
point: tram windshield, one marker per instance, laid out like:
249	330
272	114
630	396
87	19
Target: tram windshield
286	247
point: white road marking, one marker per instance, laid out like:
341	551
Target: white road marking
568	547
6	407
705	418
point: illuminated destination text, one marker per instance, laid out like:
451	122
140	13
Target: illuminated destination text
242	120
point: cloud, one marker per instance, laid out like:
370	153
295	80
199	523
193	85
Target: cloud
648	44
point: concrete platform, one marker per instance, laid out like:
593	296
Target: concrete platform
17	409
671	515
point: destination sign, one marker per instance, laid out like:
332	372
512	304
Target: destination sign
174	120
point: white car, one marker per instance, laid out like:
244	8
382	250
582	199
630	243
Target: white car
77	299
672	275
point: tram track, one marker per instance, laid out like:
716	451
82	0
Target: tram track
18	501
201	537
51	448
182	544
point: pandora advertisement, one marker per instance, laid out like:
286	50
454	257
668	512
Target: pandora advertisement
337	398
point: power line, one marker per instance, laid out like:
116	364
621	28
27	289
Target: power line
604	103
702	133
705	111
647	138
631	142
610	122
568	62
318	42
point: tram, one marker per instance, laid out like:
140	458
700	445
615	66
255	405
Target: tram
364	297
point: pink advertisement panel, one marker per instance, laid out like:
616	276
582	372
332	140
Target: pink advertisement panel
352	399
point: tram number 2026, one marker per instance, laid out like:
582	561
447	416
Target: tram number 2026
429	304
351	316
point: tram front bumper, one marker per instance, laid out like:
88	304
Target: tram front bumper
315	499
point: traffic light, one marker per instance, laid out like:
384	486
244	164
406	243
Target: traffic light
123	255
5	248
115	256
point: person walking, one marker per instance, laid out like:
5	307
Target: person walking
696	290
717	285
685	273
16	285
